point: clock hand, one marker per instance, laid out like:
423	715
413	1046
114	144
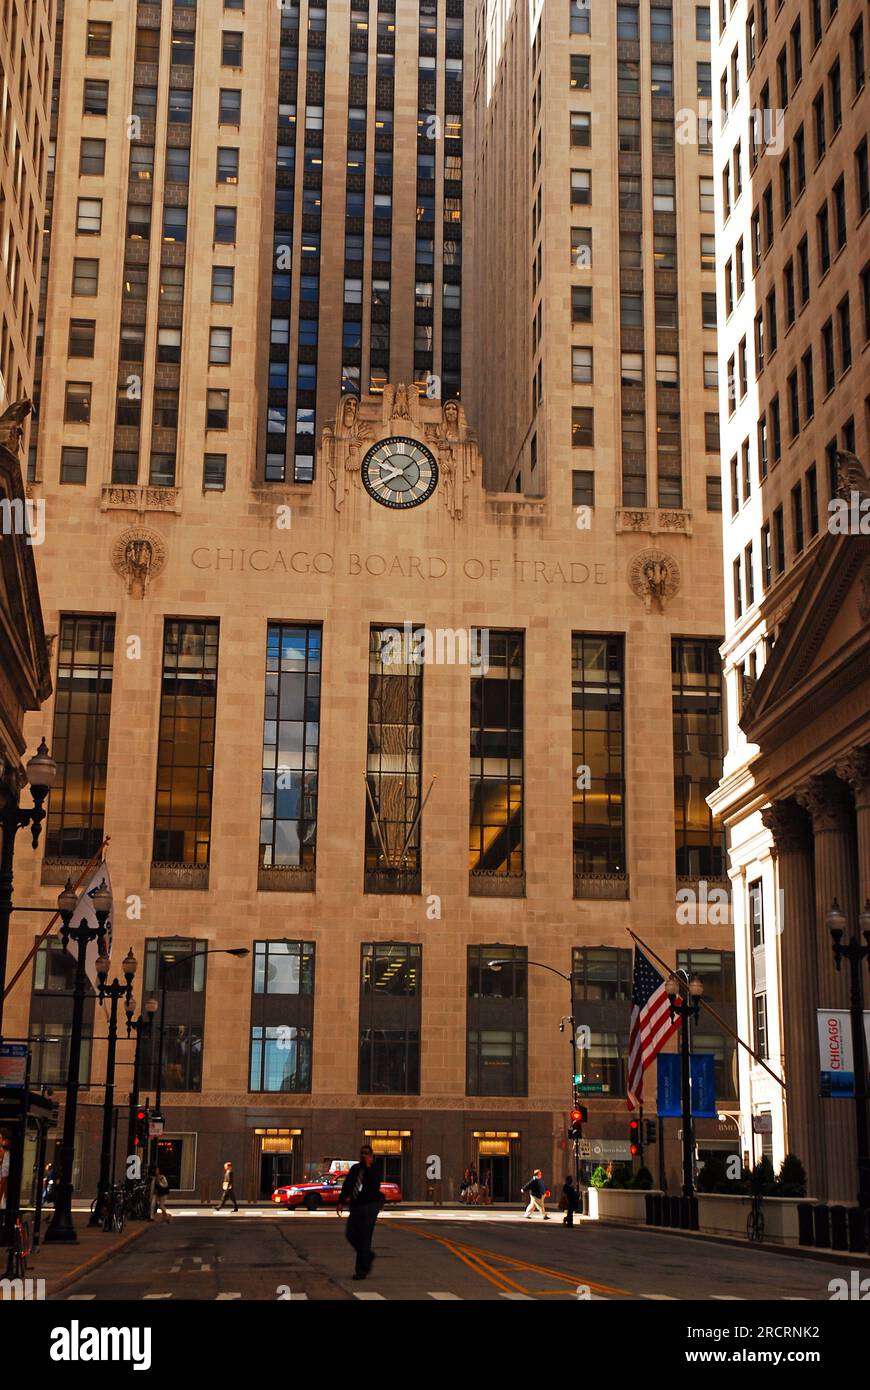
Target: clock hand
387	475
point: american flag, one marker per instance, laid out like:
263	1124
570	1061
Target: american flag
651	1024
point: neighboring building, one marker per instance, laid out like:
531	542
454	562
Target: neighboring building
26	36
399	845
793	251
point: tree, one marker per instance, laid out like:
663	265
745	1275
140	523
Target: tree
791	1181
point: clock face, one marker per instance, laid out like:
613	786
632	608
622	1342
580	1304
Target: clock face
399	473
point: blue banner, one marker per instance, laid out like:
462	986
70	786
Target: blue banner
669	1101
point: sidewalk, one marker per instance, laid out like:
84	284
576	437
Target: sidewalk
60	1265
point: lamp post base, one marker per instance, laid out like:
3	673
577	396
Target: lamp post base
60	1229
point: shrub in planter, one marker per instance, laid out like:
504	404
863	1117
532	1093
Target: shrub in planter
791	1180
762	1180
600	1178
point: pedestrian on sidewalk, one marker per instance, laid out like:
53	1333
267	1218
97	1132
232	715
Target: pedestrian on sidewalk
229	1188
361	1191
537	1192
48	1182
571	1201
159	1193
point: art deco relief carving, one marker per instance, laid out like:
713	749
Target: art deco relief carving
138	556
655	577
12	425
457	450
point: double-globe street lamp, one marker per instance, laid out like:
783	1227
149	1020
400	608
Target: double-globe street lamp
855	953
115	991
496	965
684	996
40	771
61	1228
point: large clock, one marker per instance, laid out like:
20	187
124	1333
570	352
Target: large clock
399	473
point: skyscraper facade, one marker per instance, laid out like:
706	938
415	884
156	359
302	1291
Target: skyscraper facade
380	569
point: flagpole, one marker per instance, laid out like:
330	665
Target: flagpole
722	1024
89	867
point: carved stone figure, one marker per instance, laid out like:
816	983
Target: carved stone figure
850	475
344	447
12	425
655	577
138	556
401	410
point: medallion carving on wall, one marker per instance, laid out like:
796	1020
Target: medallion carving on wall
138	556
655	577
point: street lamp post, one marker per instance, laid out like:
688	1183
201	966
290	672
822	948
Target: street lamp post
41	771
113	992
142	1028
569	980
686	1007
61	1228
855	953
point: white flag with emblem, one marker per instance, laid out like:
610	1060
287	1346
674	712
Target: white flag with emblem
85	912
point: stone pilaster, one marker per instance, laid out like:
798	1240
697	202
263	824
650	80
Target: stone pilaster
829	805
793	848
855	769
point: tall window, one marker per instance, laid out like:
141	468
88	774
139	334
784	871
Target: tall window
51	1006
715	969
389	1018
80	738
697	720
497	1062
282	1015
185	759
291	739
597	758
393	763
175	972
602	989
497	724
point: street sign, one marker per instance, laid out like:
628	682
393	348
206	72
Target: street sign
155	1126
13	1064
593	1088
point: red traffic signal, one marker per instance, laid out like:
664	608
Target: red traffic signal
634	1136
579	1116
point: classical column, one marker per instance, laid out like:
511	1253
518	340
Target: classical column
827	800
793	850
855	769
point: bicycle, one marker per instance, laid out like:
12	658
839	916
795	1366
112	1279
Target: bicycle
115	1209
755	1220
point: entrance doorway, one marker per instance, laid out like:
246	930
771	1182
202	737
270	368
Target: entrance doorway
393	1151
497	1161
278	1159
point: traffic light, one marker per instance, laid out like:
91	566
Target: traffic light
579	1116
634	1137
140	1132
649	1136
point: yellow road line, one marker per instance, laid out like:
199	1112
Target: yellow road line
472	1255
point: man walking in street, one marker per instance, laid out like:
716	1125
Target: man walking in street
361	1190
159	1193
536	1190
571	1201
229	1189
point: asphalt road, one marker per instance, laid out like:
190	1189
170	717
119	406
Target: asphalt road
440	1256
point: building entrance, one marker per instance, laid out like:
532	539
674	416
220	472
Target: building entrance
393	1151
498	1162
279	1158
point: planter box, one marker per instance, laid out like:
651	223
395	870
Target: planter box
617	1204
719	1214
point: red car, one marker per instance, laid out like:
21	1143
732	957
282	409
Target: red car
324	1192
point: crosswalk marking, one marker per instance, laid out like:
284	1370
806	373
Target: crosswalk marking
445	1297
228	1295
157	1295
662	1296
728	1297
368	1296
79	1297
516	1296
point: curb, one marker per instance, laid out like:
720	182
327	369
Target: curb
801	1252
71	1276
